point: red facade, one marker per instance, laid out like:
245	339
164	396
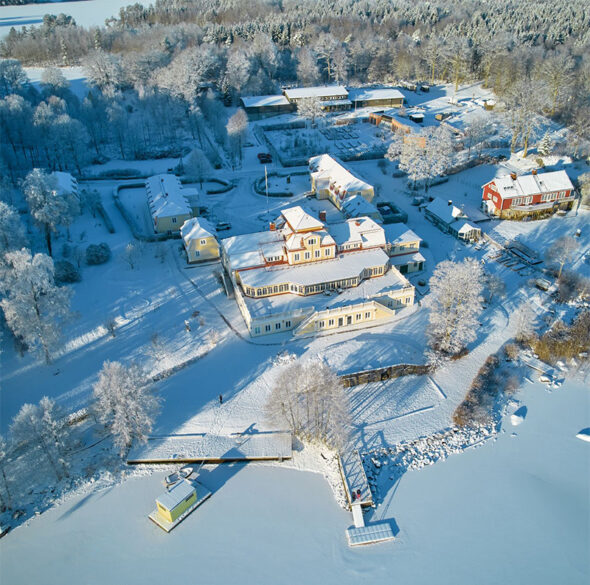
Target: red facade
491	194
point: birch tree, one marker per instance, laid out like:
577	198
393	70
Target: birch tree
125	402
307	67
237	127
455	303
43	425
34	307
310	108
49	208
309	398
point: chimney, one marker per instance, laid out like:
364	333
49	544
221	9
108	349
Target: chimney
534	171
322	215
272	226
513	176
450	202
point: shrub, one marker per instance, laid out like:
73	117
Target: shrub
511	351
563	342
572	286
98	254
66	272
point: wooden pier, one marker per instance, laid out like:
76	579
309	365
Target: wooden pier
355	480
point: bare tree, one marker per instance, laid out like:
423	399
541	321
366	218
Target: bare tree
309	398
237	126
561	252
125	402
307	68
12	231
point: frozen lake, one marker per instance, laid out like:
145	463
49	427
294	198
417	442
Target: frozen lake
513	511
86	13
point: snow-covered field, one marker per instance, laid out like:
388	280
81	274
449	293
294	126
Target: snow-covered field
514	510
86	13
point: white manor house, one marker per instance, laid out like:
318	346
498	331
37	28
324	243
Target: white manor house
304	276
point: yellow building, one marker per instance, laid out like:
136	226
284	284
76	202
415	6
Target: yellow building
199	240
177	500
169	203
331	180
298	276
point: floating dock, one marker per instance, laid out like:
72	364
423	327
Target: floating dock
372	534
207	448
202	494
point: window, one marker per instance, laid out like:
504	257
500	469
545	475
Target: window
311	241
367	315
257	330
203	242
287	323
277	325
173	220
358	316
327	252
267	327
318	253
307	255
296	257
197	253
322	324
330	322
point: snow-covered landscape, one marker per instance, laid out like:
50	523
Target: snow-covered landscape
285	300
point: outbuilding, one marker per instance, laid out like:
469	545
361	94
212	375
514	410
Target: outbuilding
177	500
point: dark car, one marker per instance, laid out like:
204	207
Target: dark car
223	225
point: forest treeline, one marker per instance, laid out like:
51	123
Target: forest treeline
151	66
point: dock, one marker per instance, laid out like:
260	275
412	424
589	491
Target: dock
354	479
207	448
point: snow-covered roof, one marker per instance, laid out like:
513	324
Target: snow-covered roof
175	495
301	221
295	241
326	166
403	259
344	266
466	228
444	210
359	229
196	228
365	94
321	91
400	233
532	184
245	251
259	101
166	196
65	182
357	205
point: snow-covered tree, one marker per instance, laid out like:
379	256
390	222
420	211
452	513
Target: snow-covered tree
53	81
197	166
394	149
426	155
307	67
103	70
49	207
34	307
455	304
237	127
132	253
545	145
125	402
584	181
309	398
12	77
12	231
526	323
494	286
558	73
43	425
237	72
561	252
5	498
311	108
476	133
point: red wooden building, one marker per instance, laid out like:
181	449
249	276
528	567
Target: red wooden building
512	197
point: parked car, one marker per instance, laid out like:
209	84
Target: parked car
223	225
264	157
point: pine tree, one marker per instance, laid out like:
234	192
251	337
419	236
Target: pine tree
545	146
